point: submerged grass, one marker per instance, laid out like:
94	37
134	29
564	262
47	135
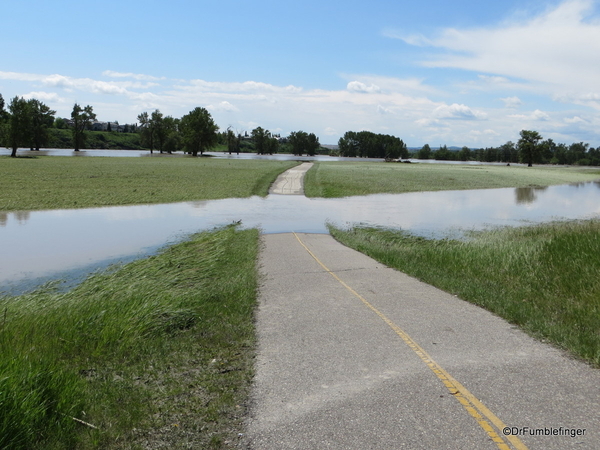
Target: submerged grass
341	179
542	278
156	353
60	182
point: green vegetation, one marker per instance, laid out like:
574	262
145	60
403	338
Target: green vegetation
341	179
62	138
156	353
55	182
542	278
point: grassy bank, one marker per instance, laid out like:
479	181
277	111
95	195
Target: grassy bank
542	278
53	182
341	179
156	354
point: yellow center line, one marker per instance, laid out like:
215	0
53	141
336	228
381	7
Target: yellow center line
470	403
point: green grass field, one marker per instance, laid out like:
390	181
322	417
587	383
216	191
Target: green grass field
543	278
341	179
155	354
55	182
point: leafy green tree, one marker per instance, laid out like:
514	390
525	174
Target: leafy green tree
82	119
172	140
464	154
260	137
42	118
528	146
199	131
425	152
158	129
146	132
233	141
19	124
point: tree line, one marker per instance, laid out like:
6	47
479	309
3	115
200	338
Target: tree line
531	148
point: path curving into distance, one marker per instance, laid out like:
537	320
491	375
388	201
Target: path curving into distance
355	355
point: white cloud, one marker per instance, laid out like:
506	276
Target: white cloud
135	76
222	106
554	48
357	86
512	102
51	97
458	112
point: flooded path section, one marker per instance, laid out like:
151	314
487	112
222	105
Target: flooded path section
291	182
36	244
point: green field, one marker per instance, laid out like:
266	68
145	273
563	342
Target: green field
341	179
155	354
543	279
55	182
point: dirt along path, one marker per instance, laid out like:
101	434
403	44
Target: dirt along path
355	355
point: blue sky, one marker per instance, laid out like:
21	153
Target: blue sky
437	72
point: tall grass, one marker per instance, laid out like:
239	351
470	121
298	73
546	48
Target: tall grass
53	182
158	351
542	278
341	179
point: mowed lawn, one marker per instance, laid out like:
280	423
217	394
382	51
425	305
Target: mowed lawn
55	182
341	179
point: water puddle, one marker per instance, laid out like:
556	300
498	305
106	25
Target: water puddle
41	245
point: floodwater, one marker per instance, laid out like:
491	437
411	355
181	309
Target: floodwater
277	157
38	246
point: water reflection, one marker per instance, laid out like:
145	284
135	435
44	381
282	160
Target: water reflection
37	243
527	194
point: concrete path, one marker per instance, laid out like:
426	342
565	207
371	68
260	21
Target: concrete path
290	182
365	357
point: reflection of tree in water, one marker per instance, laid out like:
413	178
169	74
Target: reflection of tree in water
21	216
527	194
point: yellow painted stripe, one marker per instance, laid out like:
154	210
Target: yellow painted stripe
470	403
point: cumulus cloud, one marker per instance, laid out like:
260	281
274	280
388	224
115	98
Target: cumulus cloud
222	106
552	48
357	86
458	112
135	76
51	97
512	102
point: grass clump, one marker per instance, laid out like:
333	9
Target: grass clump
542	278
341	179
60	182
156	353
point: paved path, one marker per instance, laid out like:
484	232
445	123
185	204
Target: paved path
290	182
365	357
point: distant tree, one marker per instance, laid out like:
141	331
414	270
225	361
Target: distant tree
19	125
464	154
443	154
82	119
108	127
172	136
199	131
348	144
60	123
303	142
425	152
42	118
260	136
146	132
233	141
528	146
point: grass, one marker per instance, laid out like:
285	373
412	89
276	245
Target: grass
55	182
542	278
156	353
341	179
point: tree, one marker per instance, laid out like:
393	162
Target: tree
82	119
172	139
199	131
19	124
260	137
146	134
233	141
424	153
528	146
42	118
